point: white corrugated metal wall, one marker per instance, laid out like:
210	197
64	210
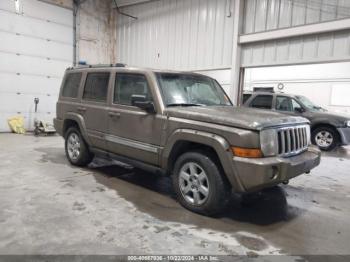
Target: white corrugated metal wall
187	35
326	47
264	15
35	49
177	34
268	15
198	34
299	32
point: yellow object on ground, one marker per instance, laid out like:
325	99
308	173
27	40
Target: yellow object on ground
16	124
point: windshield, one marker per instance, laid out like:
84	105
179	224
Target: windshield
191	90
308	104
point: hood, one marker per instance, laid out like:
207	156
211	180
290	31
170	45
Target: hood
329	114
241	117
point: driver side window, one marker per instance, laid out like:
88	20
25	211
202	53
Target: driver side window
127	85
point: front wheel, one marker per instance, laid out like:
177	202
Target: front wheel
199	184
77	150
326	138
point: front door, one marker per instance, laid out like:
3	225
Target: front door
133	132
94	107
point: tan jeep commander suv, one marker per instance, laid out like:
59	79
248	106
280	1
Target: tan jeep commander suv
183	125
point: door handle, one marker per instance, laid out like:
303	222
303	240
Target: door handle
81	109
114	115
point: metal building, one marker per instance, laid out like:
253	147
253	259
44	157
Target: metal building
222	37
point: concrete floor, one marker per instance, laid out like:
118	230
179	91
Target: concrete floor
50	207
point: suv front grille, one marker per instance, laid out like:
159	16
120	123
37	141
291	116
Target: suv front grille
293	140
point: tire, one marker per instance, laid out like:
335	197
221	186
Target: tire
77	151
218	189
326	138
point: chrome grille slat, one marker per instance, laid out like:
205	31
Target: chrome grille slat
282	143
289	144
301	138
292	140
297	134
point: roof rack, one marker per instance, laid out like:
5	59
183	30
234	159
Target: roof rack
97	66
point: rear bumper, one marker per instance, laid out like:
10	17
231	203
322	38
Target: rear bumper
344	135
58	124
259	173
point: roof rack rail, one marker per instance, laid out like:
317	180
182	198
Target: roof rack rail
97	66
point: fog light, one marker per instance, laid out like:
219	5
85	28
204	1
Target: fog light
274	173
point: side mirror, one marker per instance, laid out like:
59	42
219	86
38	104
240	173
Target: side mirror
141	101
299	110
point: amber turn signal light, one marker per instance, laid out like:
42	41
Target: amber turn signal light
246	152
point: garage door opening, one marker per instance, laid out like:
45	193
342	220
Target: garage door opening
36	47
326	85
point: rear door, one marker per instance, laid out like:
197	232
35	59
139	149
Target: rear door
94	107
69	97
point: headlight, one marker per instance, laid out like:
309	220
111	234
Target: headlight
269	142
347	123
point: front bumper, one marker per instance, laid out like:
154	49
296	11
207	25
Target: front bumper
344	135
259	173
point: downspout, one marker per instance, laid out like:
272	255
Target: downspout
75	12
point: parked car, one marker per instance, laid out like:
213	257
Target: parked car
183	125
328	129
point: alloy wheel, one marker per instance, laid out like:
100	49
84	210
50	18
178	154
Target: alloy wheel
324	139
73	146
194	183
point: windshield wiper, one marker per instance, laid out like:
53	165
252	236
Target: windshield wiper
183	104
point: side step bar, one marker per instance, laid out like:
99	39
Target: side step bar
128	161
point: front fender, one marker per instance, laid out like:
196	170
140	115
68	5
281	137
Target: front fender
325	121
218	143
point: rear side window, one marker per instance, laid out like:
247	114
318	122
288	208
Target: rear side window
262	102
127	85
71	85
96	87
